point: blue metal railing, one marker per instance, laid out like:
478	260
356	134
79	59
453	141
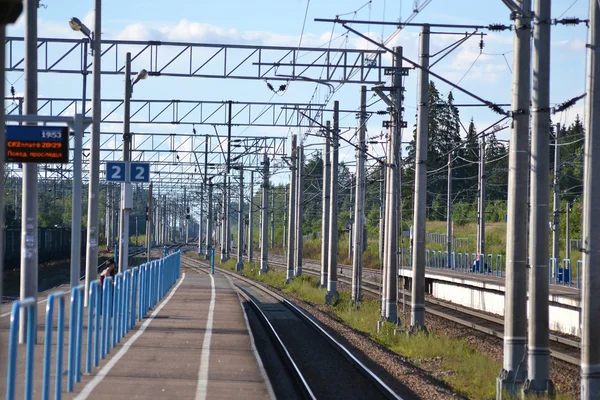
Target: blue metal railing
563	273
111	315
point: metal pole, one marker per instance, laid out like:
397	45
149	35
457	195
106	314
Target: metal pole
187	225
556	203
299	209
264	251
285	219
481	206
332	292
126	192
449	211
292	214
240	243
209	222
568	232
29	219
350	222
325	206
251	218
91	261
272	218
538	351
393	190
209	204
420	202
359	209
386	228
228	220
149	217
200	220
223	240
2	158
590	348
229	124
76	202
515	309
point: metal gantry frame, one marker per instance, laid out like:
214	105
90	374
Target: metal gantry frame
207	60
185	112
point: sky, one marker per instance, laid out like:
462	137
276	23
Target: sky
486	72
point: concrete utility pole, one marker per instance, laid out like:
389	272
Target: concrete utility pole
126	193
590	348
187	224
381	214
250	217
299	208
272	217
325	206
350	223
264	251
29	219
209	220
91	261
392	192
556	204
285	218
538	351
568	232
224	223
109	216
359	201
149	217
292	214
76	202
513	373
481	205
8	15
417	305
205	182
449	211
201	219
240	243
227	219
332	292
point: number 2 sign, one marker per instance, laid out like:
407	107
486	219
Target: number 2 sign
139	172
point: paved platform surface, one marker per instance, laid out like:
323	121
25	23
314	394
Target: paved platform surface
195	344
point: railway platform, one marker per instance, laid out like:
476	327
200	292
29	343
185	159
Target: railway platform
195	343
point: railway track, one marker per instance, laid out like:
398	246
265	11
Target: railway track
561	348
300	340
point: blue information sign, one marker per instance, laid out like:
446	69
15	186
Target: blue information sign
139	172
37	144
115	171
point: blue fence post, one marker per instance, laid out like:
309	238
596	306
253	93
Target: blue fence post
134	289
107	290
125	317
48	345
72	339
97	311
79	338
92	311
116	310
212	261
